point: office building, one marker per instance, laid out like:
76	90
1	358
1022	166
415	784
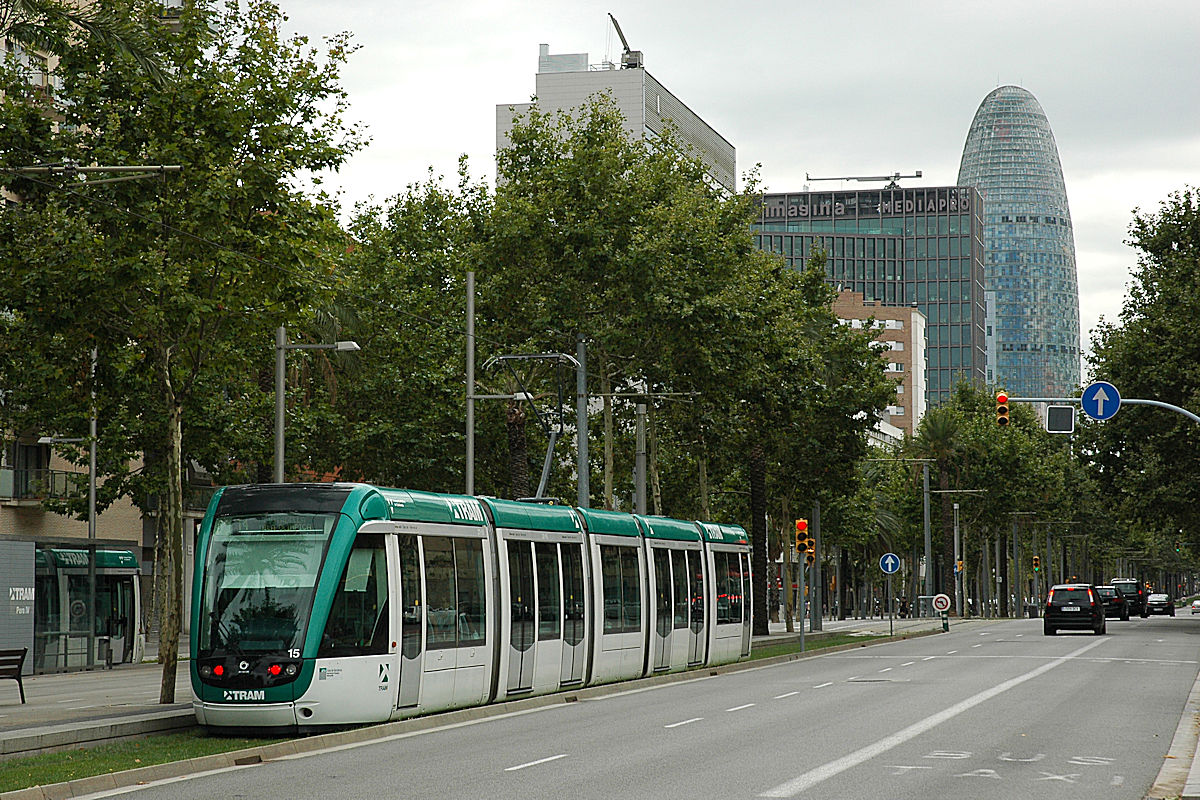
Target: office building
1011	158
901	329
918	248
567	81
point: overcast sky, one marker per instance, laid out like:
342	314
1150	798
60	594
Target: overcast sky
826	88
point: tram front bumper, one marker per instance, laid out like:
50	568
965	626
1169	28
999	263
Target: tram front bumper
231	715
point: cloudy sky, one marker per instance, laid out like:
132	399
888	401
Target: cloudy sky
840	87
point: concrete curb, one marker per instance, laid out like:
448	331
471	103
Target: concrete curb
182	720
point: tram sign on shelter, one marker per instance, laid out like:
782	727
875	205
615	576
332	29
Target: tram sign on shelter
1100	400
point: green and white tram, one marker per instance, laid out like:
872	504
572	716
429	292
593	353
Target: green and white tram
321	605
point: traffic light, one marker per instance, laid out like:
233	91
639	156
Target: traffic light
1037	564
958	568
810	552
801	533
1002	409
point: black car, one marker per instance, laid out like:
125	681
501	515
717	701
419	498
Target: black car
1115	604
1158	603
1135	595
1074	606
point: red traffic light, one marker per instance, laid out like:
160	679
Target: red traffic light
1002	398
801	525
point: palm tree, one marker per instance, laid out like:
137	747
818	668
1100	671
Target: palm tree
39	25
938	439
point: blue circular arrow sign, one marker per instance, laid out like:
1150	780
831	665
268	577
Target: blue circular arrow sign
1100	400
889	563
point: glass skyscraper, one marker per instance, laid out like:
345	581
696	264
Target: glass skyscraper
1029	263
919	247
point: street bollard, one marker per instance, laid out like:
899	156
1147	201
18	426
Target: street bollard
945	622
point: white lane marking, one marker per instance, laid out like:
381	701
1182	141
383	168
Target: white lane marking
1020	634
908	663
72	700
929	658
739	708
823	685
976	645
888	669
952	652
864	754
856	677
685	722
535	763
1117	780
789	694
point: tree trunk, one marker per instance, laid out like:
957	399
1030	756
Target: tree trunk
518	450
172	526
758	535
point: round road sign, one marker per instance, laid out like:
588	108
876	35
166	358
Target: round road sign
941	602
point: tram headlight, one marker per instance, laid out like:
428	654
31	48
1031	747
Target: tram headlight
290	670
206	671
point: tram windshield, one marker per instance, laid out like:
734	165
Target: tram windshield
259	578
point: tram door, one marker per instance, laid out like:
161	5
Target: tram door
697	635
574	617
663	612
747	605
522	604
412	615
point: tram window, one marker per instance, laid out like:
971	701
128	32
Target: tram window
549	626
472	611
724	601
573	607
680	572
745	586
631	589
410	589
622	589
441	606
610	562
662	580
358	616
695	560
733	582
520	576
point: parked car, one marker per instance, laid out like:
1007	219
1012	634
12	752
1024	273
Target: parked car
1159	603
1195	606
1074	606
1135	595
1115	604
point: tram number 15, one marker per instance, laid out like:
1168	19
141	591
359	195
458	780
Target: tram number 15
294	652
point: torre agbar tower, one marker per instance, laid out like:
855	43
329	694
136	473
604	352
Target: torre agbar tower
1031	287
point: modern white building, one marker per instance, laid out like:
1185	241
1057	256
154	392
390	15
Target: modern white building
566	81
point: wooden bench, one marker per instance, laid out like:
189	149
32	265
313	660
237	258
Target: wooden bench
11	663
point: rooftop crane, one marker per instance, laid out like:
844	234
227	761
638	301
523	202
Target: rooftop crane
630	59
893	178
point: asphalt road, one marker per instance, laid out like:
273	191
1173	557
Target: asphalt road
985	711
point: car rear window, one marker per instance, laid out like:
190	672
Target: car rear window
1127	588
1070	596
1107	591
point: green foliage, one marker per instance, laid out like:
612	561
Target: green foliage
1146	459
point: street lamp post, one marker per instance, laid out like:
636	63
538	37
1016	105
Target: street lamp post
281	348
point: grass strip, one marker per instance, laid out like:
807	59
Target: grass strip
68	765
813	642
